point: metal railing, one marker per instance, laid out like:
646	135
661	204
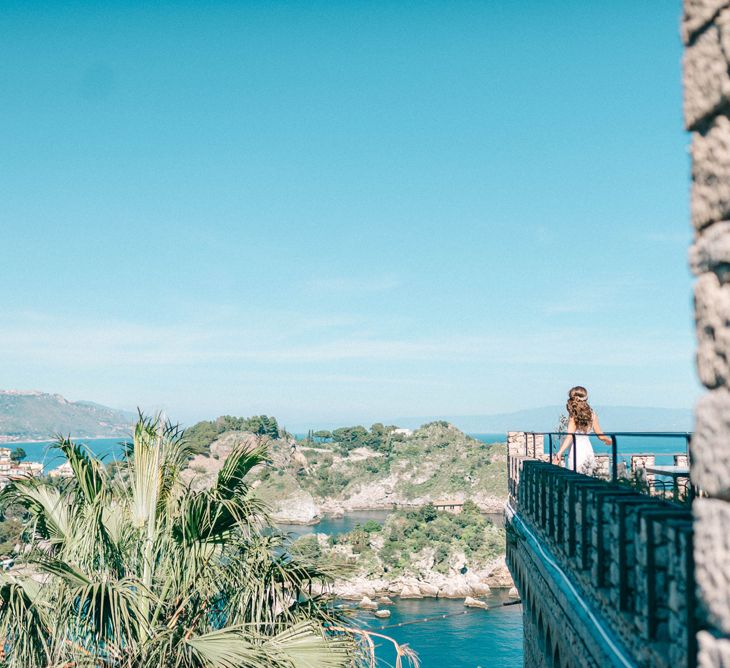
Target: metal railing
558	437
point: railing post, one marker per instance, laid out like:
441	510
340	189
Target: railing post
525	444
614	459
550	440
534	447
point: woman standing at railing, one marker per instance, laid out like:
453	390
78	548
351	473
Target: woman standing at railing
582	420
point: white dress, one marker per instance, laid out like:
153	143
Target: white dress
585	460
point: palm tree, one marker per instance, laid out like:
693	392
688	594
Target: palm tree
129	567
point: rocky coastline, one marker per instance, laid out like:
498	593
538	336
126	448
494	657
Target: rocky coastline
430	584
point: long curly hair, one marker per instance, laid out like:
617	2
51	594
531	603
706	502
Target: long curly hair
579	408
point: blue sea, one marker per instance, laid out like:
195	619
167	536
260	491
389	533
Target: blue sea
106	448
468	637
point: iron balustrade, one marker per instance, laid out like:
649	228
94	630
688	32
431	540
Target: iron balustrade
532	436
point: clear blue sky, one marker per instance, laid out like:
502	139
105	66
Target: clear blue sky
344	211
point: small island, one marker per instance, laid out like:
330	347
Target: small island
418	550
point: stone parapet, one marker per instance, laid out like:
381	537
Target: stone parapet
526	443
628	555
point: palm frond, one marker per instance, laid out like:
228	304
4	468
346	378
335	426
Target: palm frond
107	609
89	474
24	621
239	462
304	646
50	508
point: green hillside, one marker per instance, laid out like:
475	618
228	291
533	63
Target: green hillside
28	416
356	468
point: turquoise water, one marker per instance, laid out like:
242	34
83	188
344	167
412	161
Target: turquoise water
490	438
480	638
50	457
333	526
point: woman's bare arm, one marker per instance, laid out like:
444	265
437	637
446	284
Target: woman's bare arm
599	432
568	439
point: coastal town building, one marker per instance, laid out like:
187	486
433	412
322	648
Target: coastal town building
10	468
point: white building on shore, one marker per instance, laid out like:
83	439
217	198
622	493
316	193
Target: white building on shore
10	468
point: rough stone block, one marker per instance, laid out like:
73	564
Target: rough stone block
710	199
706	78
638	468
713	652
712	556
711	445
711	251
712	315
697	14
681	460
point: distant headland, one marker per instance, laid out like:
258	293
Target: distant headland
38	416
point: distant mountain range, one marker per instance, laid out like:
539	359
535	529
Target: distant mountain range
613	418
36	416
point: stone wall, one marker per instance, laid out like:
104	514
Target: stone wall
628	559
706	34
526	443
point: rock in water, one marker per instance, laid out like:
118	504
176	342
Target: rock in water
513	593
382	613
297	509
367	604
384	600
470	602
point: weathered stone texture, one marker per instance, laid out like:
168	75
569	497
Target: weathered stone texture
706	32
697	13
639	464
525	443
712	315
706	78
711	251
711	180
710	468
713	652
712	559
